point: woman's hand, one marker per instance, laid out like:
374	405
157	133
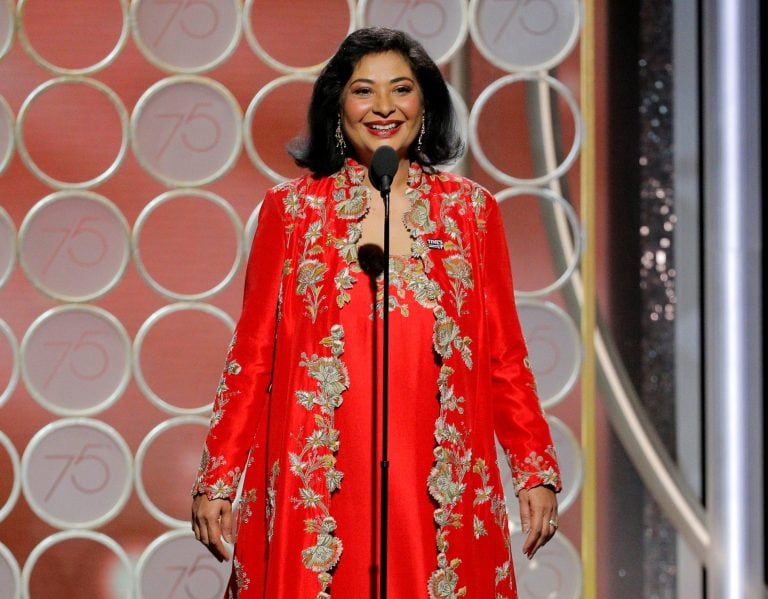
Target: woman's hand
212	524
538	516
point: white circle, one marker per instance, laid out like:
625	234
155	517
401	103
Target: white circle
273	62
104	62
560	202
485	96
8	19
571	342
13	496
70	347
139	341
98	86
178	122
26	475
66	535
16	368
121	253
13	566
542	64
162	63
250	148
556	570
423	38
164	198
6	116
6	226
190	567
141	453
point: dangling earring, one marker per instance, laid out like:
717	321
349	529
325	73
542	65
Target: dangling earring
340	143
421	133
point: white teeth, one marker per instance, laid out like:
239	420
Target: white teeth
383	127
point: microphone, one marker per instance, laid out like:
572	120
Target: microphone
383	168
371	259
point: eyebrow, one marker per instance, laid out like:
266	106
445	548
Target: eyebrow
371	81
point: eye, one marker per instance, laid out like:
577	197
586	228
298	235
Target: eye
361	91
403	90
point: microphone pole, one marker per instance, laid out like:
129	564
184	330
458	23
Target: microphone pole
383	168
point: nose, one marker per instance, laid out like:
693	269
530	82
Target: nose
383	105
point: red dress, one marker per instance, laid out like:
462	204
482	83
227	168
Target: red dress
413	407
295	405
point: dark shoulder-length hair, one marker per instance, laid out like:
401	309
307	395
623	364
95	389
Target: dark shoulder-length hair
317	150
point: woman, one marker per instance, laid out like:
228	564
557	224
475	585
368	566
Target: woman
298	405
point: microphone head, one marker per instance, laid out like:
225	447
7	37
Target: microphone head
383	168
371	259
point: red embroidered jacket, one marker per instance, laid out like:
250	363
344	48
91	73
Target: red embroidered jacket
285	375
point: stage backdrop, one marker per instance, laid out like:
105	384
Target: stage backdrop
136	142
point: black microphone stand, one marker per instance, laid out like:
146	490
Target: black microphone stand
384	165
385	403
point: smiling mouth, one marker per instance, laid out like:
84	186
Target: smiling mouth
383	128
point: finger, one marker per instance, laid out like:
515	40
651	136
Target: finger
202	531
548	530
226	525
535	530
219	550
525	511
532	539
194	522
554	524
215	542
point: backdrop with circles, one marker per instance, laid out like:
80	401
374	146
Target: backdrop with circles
136	141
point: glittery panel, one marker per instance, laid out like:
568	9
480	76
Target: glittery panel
657	272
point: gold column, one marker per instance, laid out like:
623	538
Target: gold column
588	310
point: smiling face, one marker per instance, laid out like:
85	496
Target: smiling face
381	105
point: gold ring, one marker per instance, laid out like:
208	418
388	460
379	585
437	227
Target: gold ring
553	523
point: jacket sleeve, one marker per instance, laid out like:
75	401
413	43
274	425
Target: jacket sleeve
519	422
242	391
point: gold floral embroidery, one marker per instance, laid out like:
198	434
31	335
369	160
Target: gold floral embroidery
272	500
502	573
447	336
442	584
460	272
244	509
325	554
354	205
347	246
221	488
231	368
344	281
407	275
482	493
446	486
309	279
292	204
534	469
315	464
499	511
479	527
311	272
418	216
241	577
